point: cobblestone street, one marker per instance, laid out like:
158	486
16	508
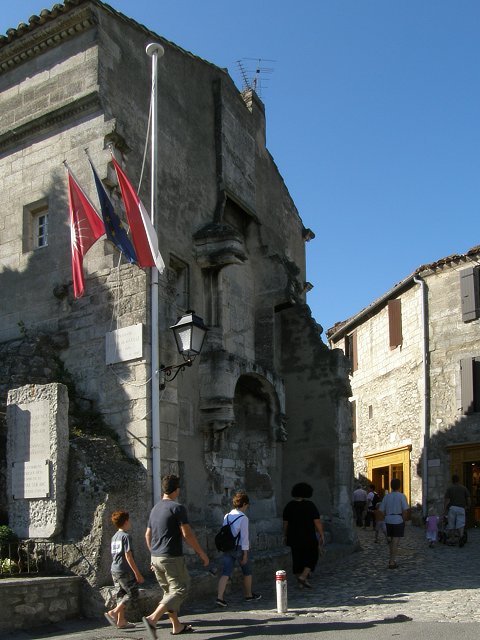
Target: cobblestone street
437	584
356	592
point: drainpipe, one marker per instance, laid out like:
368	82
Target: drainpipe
426	391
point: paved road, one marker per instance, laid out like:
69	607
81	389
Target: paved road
356	593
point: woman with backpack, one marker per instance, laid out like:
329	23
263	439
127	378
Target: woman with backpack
237	520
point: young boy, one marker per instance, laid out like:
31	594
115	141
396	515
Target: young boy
124	570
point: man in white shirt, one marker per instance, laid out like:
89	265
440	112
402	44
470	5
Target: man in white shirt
359	504
395	507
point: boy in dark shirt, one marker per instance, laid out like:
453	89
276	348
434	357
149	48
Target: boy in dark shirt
125	573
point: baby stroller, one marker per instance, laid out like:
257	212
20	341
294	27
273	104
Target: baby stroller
442	528
450	537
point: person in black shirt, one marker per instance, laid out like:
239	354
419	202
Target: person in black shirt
167	528
303	531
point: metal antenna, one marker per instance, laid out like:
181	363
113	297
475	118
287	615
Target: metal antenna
258	82
246	83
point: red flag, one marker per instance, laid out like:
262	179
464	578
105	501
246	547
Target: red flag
86	227
144	237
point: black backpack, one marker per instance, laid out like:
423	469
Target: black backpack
376	499
225	540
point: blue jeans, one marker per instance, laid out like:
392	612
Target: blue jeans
229	559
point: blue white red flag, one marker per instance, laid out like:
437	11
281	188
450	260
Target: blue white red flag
114	228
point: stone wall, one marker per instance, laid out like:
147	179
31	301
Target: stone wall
388	386
31	602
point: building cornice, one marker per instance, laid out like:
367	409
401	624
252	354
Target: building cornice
89	103
49	33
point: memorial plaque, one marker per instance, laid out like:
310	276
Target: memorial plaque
31	479
31	437
124	344
37	459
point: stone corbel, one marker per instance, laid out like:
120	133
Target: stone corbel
218	244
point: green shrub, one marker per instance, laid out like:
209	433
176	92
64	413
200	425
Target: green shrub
7	536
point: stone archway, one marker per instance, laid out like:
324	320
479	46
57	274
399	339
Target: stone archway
254	410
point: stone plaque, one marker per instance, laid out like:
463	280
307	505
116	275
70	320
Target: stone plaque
37	459
124	344
31	479
31	437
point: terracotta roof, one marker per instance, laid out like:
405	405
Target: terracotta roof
397	288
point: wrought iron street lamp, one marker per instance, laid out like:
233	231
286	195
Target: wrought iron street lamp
189	332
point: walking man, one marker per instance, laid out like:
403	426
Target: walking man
457	499
395	508
167	528
359	504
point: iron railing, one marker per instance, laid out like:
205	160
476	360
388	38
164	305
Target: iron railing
31	557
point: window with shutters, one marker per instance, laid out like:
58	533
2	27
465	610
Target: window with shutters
395	323
470	385
351	350
470	293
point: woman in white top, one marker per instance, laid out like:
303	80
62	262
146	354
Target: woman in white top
395	508
238	522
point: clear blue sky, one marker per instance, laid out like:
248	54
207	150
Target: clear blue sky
373	118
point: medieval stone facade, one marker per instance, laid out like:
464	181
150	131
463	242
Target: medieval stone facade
415	381
266	403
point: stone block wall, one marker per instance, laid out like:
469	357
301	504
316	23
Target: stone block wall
31	602
387	387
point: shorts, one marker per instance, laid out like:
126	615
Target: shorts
395	530
126	587
456	518
229	559
173	577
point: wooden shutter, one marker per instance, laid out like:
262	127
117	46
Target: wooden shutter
469	291
353	405
354	354
466	383
395	322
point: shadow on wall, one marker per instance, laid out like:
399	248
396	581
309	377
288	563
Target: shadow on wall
455	449
40	316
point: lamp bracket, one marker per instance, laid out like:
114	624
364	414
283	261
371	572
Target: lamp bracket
171	371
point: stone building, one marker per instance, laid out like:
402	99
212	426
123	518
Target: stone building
266	403
414	374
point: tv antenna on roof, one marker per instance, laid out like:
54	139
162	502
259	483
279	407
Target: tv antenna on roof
253	78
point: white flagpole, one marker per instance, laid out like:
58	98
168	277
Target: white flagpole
156	51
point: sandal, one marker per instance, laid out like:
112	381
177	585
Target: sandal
111	621
187	628
129	625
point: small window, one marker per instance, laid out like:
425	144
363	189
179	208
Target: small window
351	349
470	293
35	226
370	411
181	282
395	322
470	385
40	230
